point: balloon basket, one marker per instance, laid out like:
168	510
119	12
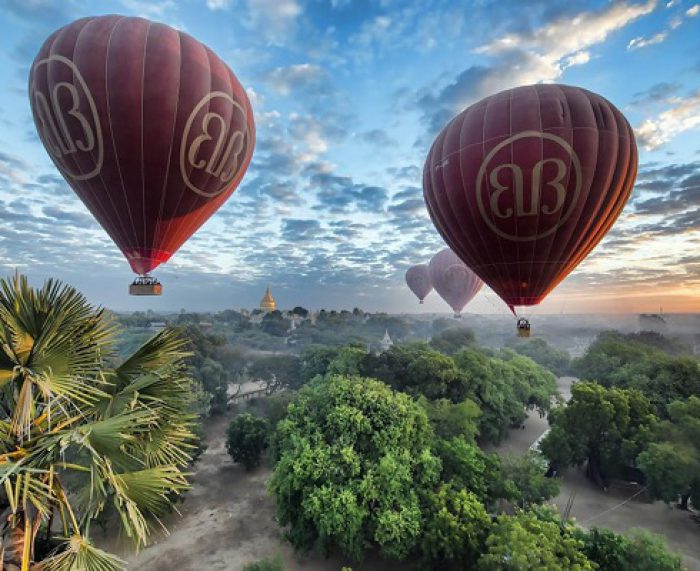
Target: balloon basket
523	327
145	285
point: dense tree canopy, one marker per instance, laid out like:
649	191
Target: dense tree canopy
640	361
354	459
606	428
528	541
672	461
246	439
277	371
452	340
556	360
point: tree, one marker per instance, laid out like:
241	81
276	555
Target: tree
78	437
274	324
635	361
354	459
504	386
315	361
450	341
556	360
529	541
524	479
450	419
465	466
672	462
637	551
247	439
607	428
277	372
455	527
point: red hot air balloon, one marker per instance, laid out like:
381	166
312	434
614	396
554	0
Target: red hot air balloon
453	280
525	183
418	281
148	126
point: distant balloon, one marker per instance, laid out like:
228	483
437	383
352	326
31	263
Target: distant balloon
453	280
524	184
418	281
148	126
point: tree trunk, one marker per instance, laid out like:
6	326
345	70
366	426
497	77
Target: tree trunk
684	502
13	542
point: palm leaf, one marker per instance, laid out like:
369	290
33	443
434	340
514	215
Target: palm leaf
79	554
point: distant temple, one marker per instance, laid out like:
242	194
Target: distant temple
268	304
386	342
653	322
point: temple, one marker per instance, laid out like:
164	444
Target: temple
267	303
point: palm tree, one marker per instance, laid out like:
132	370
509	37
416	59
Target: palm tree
79	437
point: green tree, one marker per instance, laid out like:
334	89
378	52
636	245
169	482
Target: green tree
452	340
527	541
672	462
347	361
273	323
455	527
465	466
450	419
524	479
354	458
637	551
542	353
504	386
607	428
78	437
247	439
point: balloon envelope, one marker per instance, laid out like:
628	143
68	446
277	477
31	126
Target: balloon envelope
525	183
418	281
148	126
453	280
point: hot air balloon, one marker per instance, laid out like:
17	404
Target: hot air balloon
524	184
418	281
453	280
148	126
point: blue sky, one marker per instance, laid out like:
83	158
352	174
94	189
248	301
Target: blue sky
348	95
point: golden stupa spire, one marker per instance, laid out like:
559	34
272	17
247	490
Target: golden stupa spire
268	302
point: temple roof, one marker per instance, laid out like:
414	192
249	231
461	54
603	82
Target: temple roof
267	303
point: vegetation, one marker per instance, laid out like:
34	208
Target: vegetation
542	353
247	439
637	551
354	460
531	540
606	428
77	437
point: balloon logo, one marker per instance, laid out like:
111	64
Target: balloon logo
539	197
148	126
524	184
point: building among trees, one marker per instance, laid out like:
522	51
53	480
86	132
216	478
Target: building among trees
268	303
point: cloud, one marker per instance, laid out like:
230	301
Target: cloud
377	137
275	20
338	194
527	57
217	4
640	42
662	36
657	93
297	78
295	230
683	115
149	8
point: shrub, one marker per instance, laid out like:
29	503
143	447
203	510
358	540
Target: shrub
247	438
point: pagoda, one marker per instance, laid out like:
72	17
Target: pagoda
267	303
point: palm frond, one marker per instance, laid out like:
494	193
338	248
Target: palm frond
79	554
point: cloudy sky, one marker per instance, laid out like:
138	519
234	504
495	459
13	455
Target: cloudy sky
348	95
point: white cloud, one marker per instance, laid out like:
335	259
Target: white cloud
286	80
674	23
641	42
275	19
217	4
682	116
538	56
567	36
149	9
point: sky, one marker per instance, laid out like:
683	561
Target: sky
348	96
